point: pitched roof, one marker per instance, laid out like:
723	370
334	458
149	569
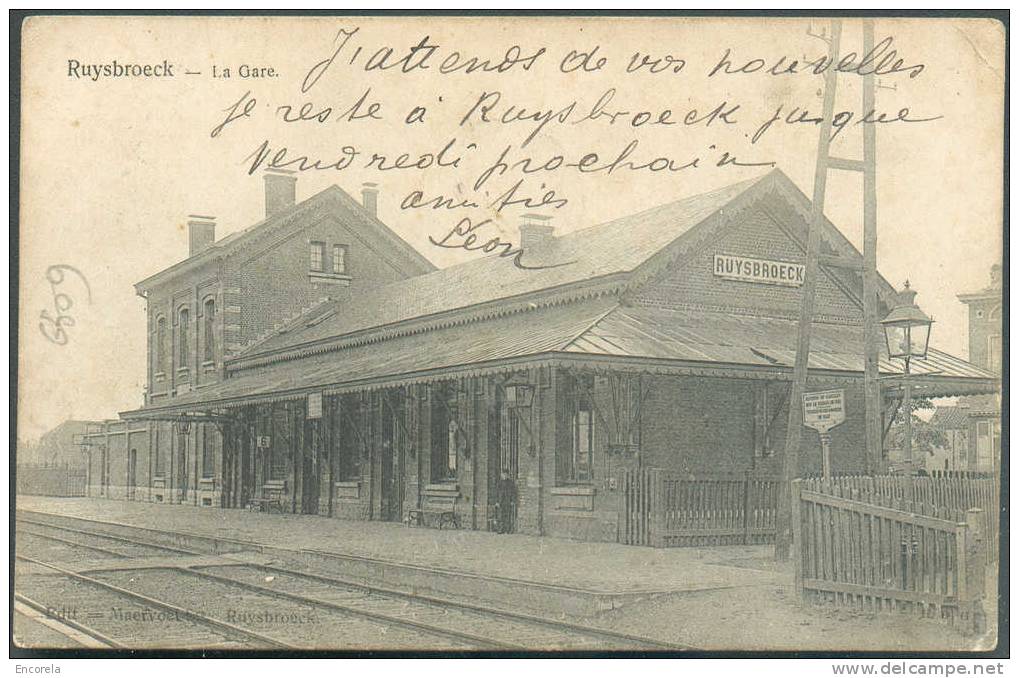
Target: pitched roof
599	251
950	417
500	339
333	197
709	336
586	330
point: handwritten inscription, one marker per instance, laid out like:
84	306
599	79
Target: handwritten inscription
504	147
52	325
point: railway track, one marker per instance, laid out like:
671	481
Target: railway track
121	618
306	610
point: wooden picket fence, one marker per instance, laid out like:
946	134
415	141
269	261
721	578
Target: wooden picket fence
858	544
929	496
663	508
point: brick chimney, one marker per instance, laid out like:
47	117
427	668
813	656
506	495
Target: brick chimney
280	191
370	198
536	233
201	233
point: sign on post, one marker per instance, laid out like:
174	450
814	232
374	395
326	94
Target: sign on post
264	442
823	411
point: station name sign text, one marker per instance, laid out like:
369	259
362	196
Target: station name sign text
760	271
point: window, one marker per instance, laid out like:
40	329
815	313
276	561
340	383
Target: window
340	259
583	441
160	349
994	353
210	330
452	441
447	437
182	343
347	442
510	441
317	254
208	452
985	445
158	471
576	461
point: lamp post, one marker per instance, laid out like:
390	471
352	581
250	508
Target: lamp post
907	334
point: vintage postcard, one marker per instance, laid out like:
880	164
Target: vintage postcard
525	334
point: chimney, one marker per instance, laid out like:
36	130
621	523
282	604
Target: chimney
370	198
536	233
280	191
201	233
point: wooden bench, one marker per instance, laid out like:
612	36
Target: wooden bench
440	502
274	492
446	517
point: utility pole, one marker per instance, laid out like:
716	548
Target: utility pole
791	460
871	338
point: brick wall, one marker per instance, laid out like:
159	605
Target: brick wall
702	426
269	284
758	236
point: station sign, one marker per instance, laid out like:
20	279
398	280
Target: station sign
760	271
314	406
824	410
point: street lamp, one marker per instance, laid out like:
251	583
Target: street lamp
907	334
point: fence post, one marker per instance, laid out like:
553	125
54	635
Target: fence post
797	525
746	506
973	570
657	535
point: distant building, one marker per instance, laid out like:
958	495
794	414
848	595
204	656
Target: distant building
953	421
976	420
57	447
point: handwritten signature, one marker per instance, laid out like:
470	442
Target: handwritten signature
52	326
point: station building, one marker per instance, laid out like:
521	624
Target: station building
318	357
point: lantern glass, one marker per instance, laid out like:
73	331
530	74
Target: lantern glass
919	335
907	339
898	343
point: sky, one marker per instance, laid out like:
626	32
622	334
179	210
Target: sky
112	166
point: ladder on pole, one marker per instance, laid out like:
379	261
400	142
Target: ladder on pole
868	167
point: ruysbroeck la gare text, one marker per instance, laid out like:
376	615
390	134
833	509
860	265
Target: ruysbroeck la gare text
115	69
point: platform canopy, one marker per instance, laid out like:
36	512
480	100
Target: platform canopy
600	333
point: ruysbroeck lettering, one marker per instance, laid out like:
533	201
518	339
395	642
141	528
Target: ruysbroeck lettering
758	270
115	69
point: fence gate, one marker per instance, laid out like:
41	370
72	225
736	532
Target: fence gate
639	493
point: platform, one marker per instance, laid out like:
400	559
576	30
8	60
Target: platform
521	571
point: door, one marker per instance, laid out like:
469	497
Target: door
309	467
132	469
504	445
104	472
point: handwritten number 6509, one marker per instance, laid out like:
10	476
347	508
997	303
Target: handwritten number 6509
52	326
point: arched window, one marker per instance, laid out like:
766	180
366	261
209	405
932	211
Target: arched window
182	342
995	313
160	348
210	330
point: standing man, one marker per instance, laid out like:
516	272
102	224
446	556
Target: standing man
506	503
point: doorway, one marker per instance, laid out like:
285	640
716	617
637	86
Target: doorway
132	469
504	443
310	467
